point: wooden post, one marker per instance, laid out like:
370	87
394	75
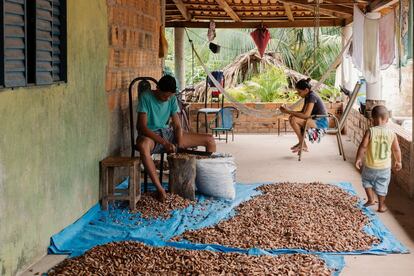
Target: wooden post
163	6
412	138
179	56
182	175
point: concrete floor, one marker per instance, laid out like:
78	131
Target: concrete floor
268	158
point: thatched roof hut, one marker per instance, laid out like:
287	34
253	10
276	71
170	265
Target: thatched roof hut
245	66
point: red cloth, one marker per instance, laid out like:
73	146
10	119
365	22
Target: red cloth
215	93
386	40
261	37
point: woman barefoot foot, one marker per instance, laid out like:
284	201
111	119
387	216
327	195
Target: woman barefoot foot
382	209
369	203
295	146
295	150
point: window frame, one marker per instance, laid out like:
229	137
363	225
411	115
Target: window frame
30	54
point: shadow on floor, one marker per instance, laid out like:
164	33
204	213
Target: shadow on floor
402	208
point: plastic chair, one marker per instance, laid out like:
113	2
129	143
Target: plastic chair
143	85
223	121
339	124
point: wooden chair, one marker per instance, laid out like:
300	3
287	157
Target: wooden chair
339	124
143	85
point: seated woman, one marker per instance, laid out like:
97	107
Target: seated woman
313	106
155	109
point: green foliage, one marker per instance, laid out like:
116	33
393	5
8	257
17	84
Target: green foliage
240	94
300	53
269	86
330	94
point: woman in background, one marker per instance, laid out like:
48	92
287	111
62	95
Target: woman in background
313	106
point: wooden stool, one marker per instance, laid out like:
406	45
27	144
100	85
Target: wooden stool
285	120
108	190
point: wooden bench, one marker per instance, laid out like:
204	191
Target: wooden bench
108	190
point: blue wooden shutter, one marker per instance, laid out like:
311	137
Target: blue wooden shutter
44	42
13	45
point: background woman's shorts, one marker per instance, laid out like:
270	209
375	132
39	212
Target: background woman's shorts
322	123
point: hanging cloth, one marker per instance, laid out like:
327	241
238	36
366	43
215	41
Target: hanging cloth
405	32
163	44
211	33
214	48
370	64
386	40
358	38
261	37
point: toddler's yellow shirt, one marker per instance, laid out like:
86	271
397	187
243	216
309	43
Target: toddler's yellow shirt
379	148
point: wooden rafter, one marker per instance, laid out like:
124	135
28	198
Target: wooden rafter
254	24
288	11
223	4
183	9
247	13
331	10
381	4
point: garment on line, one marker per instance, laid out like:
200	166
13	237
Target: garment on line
358	38
386	40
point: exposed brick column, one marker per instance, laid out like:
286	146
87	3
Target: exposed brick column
134	30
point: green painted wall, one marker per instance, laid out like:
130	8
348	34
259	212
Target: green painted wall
51	140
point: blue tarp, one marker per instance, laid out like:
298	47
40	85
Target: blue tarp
99	227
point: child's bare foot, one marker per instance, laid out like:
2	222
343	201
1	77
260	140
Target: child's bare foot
369	203
382	209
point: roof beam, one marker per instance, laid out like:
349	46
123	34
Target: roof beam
377	5
331	10
252	25
223	4
183	9
288	12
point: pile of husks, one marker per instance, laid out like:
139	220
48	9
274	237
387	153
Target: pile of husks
133	258
187	156
150	207
310	216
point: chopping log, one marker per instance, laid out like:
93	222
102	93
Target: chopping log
182	175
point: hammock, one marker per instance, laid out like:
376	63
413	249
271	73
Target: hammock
265	113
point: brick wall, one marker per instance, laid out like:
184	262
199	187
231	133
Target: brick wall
356	127
250	124
133	51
